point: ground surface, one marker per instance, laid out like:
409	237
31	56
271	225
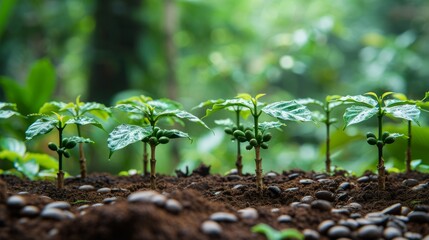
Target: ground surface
303	200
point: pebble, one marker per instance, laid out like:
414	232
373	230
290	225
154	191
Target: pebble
238	186
363	221
69	215
307	199
344	186
350	223
275	210
325	195
339	232
405	211
363	179
343	211
322	205
418	217
97	205
354	207
410	182
142	196
233	177
391	232
419	187
306	181
15	201
293	176
211	228
86	188
326	181
426	237
310	234
325	226
274	191
320	176
394	209
173	206
342	196
248	213
83	207
413	236
159	200
23	193
104	190
292	189
30	211
271	174
422	208
53	213
109	200
284	219
63	205
370	232
223	217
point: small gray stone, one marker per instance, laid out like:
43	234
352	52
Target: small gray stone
173	206
363	179
63	205
16	201
284	219
394	209
344	186
419	187
306	181
339	232
142	196
391	232
211	228
23	193
271	175
326	181
293	176
322	205
320	176
355	215
275	210
405	210
418	217
293	189
426	237
410	182
83	207
238	186
363	221
350	223
342	211
233	177
325	195
69	215
370	232
325	226
159	200
104	190
53	213
353	207
248	213
30	211
413	236
307	199
97	205
223	217
109	200
274	191
310	234
86	188
422	208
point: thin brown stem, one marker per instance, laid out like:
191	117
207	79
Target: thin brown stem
152	167
381	169
82	158
145	159
258	170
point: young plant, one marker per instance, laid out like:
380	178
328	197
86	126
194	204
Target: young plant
327	106
258	136
273	234
81	113
230	127
154	111
369	105
44	125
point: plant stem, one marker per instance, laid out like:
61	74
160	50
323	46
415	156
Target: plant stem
145	160
60	174
408	160
82	158
380	167
258	162
238	162
328	140
152	167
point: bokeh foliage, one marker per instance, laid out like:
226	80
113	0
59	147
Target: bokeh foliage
195	50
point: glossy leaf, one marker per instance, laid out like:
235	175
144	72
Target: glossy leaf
79	139
41	126
181	114
225	122
14	145
367	101
288	111
84	120
174	133
50	107
124	135
408	112
356	114
306	101
263	126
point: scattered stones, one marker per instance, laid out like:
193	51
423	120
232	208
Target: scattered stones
15	201
339	232
343	211
413	236
363	179
86	188
53	213
418	217
306	181
350	223
394	209
344	186
30	211
325	195
274	191
248	213
223	217
159	200
322	205
370	232
173	206
284	219
391	232
110	200
211	228
104	190
142	196
325	226
59	205
310	234
307	199
410	182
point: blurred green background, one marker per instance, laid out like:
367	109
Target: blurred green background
195	50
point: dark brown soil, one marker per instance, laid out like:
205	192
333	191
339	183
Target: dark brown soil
200	197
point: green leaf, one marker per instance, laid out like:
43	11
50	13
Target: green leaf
44	160
52	106
40	83
364	100
306	101
79	139
97	109
41	126
129	108
14	145
264	126
407	112
164	104
229	105
225	122
273	234
288	111
10	156
8	113
356	114
84	120
29	168
181	114
173	133
124	135
208	103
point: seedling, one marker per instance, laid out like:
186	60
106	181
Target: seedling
327	106
273	234
230	127
154	111
370	104
44	125
258	137
81	114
